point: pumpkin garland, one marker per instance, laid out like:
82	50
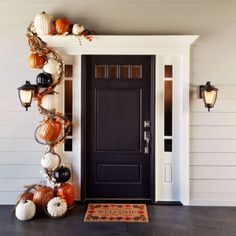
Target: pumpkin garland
55	126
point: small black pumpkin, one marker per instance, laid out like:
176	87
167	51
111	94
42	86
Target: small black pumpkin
44	80
62	174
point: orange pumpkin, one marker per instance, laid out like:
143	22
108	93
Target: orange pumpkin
36	61
62	25
50	130
66	192
42	196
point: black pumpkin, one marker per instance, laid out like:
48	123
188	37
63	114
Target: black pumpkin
44	80
62	174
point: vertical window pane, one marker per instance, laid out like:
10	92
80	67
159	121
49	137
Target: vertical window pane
68	99
168	145
124	71
100	71
112	72
168	108
168	71
68	71
68	145
136	72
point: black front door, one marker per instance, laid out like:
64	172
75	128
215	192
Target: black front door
117	127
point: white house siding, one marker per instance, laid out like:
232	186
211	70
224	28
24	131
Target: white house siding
212	136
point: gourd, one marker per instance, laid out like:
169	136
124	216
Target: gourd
62	25
42	196
62	174
25	210
56	207
66	192
50	130
43	23
50	161
52	67
77	29
49	101
44	80
36	60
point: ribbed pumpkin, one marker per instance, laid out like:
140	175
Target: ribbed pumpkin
62	25
36	60
44	80
50	130
77	29
66	191
52	67
25	210
57	207
49	101
42	196
62	174
43	23
50	161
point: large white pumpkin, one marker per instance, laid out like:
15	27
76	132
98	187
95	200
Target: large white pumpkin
25	210
49	101
52	67
57	207
50	161
43	23
77	29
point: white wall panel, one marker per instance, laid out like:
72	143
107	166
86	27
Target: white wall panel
213	158
213	132
213	172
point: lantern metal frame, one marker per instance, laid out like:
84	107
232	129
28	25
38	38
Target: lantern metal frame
208	88
27	87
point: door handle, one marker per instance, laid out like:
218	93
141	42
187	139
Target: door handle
147	137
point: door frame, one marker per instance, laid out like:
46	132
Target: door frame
84	130
160	45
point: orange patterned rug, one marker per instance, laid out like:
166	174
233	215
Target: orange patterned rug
116	213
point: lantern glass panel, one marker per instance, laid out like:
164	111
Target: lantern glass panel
26	96
210	97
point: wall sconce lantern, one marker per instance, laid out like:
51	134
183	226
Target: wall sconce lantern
26	94
209	94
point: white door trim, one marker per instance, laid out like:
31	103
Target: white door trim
176	46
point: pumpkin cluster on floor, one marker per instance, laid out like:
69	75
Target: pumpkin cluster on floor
55	198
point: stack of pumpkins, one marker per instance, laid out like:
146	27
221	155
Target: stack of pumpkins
56	200
45	199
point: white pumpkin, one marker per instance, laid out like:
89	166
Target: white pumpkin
77	29
25	210
57	207
43	23
50	161
52	67
49	101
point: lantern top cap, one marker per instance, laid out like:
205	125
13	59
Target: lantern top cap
27	86
209	87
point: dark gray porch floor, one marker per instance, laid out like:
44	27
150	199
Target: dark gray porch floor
164	221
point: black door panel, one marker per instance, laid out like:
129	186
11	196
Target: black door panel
118	101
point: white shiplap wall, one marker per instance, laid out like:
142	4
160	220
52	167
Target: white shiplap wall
213	136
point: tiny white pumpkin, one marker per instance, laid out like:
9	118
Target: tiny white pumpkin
43	23
25	210
57	207
52	67
77	29
50	161
49	101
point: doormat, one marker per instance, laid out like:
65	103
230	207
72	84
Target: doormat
116	213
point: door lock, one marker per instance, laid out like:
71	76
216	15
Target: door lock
147	137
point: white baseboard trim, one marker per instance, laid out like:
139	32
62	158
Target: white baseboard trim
213	202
